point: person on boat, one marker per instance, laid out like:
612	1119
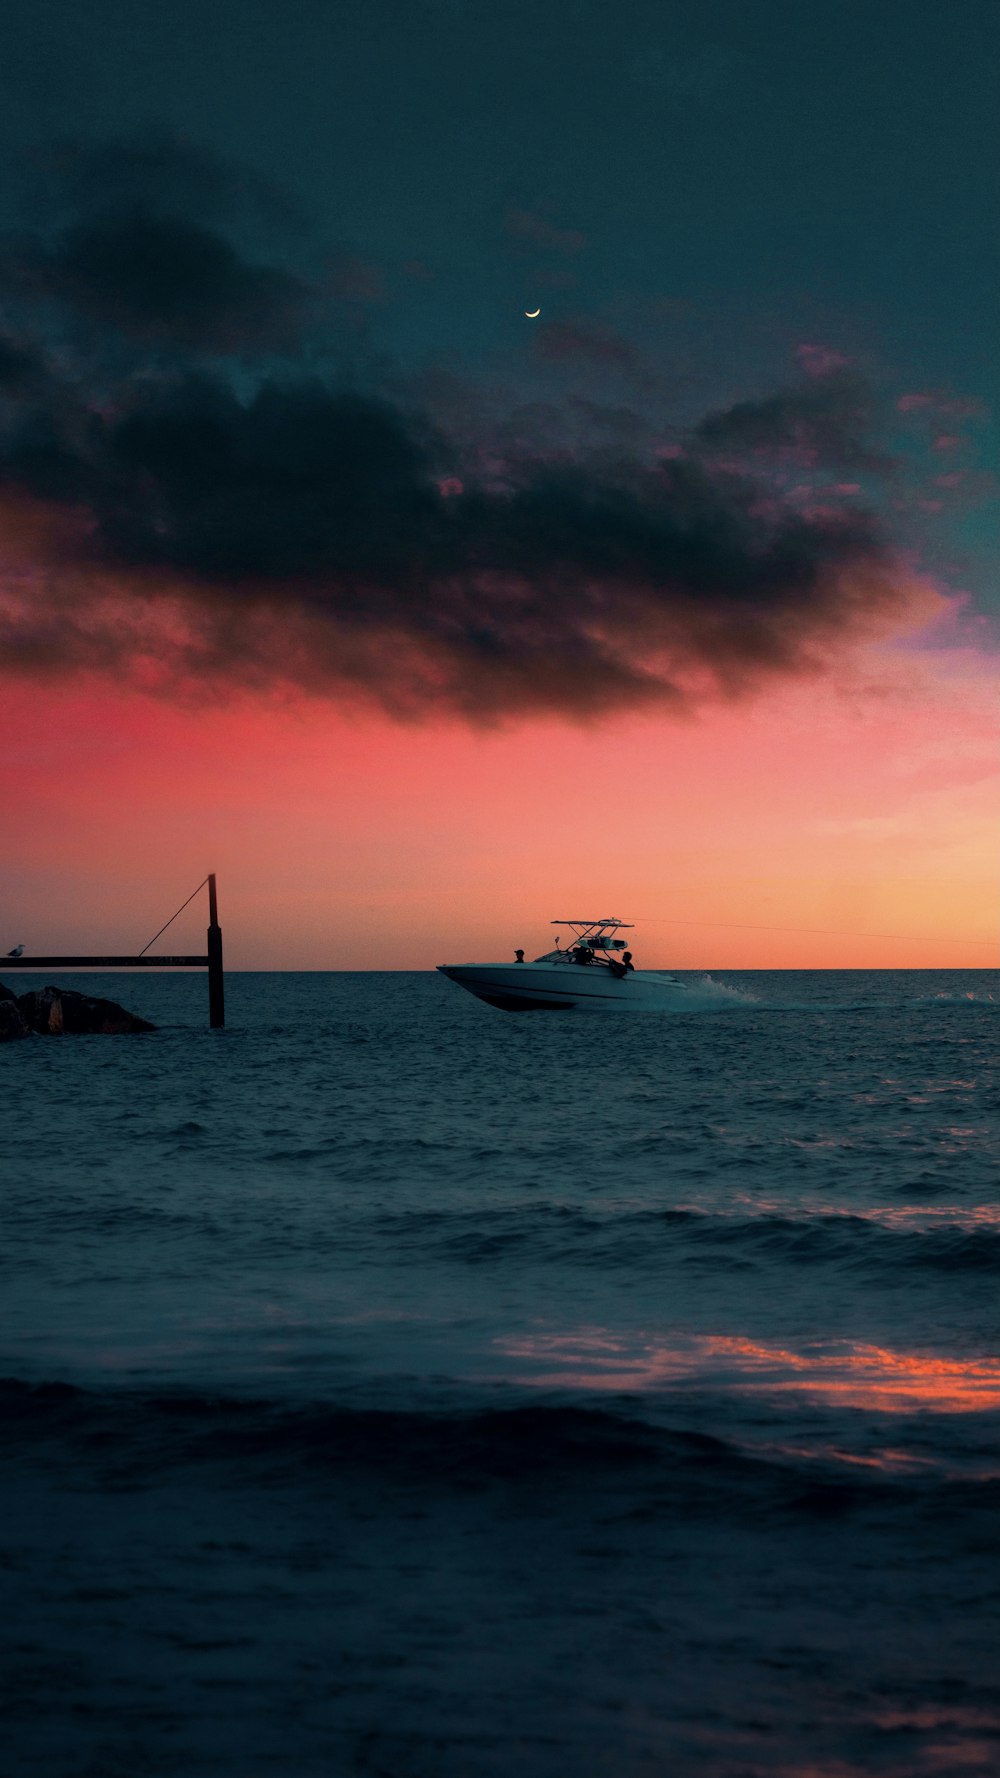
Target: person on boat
627	960
583	954
518	956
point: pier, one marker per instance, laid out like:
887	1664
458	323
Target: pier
211	960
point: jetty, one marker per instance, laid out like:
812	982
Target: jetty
210	960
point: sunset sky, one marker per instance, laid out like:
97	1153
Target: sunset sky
422	622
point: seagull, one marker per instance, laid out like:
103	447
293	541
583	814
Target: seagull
18	951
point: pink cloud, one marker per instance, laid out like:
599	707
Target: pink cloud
790	456
358	281
449	486
560	341
952	407
963	408
820	361
555	277
948	441
525	225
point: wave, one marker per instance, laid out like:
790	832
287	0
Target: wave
958	1000
641	1239
134	1439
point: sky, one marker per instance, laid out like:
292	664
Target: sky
423	622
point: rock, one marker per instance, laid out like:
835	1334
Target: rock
6	993
55	1012
13	1023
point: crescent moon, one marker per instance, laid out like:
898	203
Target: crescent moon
531	313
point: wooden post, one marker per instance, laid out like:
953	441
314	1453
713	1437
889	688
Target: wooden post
216	978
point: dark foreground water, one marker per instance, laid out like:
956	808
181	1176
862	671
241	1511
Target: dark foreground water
402	1388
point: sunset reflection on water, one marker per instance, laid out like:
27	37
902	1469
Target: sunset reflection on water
847	1373
890	1216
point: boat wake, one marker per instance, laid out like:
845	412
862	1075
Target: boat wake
705	994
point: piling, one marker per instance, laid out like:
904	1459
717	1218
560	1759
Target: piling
216	976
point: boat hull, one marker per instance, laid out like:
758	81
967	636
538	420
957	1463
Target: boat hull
564	987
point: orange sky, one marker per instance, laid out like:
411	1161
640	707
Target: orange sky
861	803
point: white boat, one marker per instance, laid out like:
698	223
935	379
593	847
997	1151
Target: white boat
591	972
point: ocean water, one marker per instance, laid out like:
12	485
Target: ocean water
403	1388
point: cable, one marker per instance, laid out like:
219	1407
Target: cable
172	918
916	938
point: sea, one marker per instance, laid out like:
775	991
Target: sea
399	1387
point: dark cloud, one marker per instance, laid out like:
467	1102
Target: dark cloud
21	369
827	422
163	278
159	172
194	528
330	539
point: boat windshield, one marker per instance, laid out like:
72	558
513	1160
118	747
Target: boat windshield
596	937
